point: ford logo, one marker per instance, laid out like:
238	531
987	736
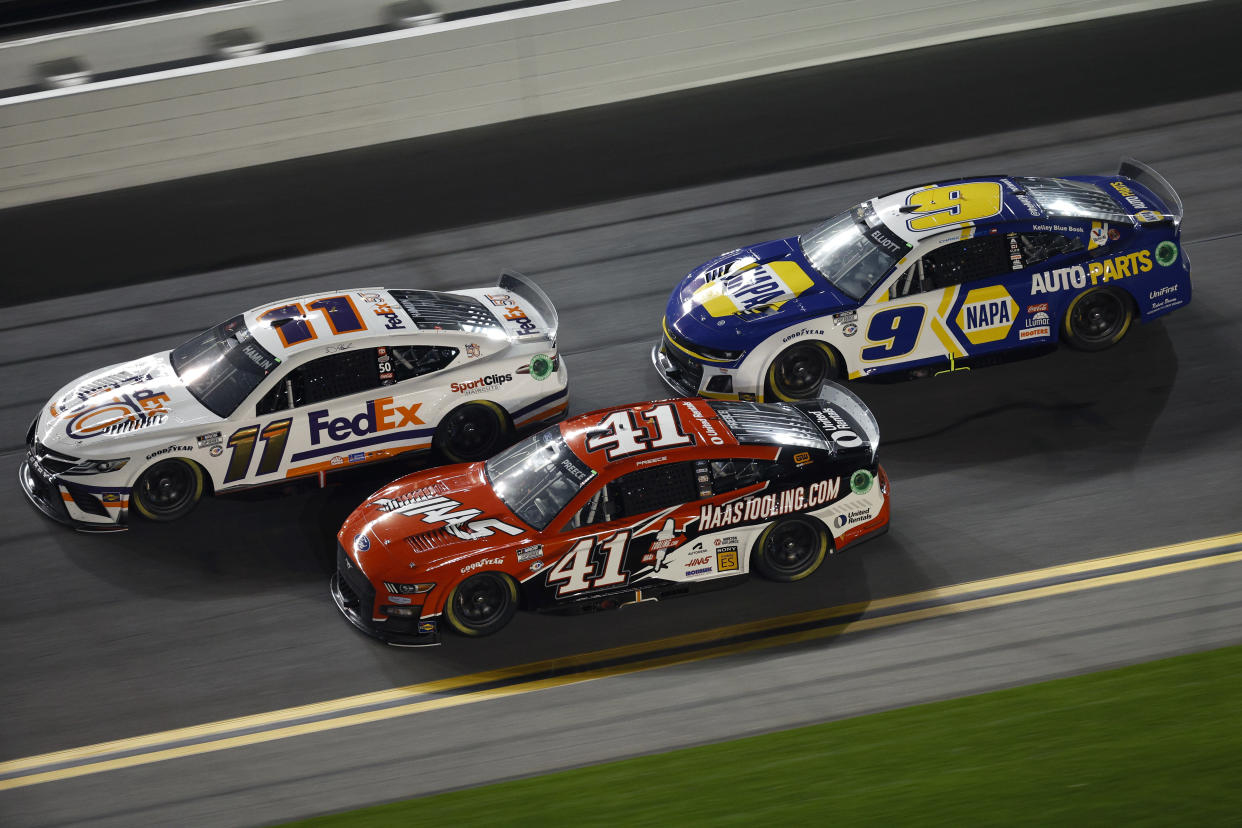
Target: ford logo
361	543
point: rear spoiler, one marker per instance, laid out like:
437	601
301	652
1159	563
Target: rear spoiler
513	282
1154	181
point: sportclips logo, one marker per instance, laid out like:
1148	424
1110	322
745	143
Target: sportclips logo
380	415
481	384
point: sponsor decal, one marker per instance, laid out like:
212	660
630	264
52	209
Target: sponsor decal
1042	307
724	541
1038	319
169	450
987	314
216	451
708	427
860	482
1166	253
1034	333
481	384
362	543
399	599
124	412
1028	203
767	506
1113	234
337	461
480	563
518	316
700	561
649	558
541	367
499	299
844	318
1097	272
1164	291
690	573
802	458
473	350
458	521
1015	254
97	386
667	543
850	329
839	430
215	438
726	558
380	415
392	320
536	566
1149	216
1128	194
1098	236
529	553
751	287
1057	228
110	497
425	627
803	332
357	457
852	517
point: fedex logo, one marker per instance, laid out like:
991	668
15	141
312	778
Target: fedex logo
380	415
515	314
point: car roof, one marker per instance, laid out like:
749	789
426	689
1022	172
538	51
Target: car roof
1016	199
694	417
382	312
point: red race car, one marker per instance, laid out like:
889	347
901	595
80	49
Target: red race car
626	504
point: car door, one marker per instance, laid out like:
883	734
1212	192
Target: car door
949	301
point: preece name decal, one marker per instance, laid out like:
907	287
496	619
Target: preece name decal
481	384
1104	270
457	521
380	415
769	505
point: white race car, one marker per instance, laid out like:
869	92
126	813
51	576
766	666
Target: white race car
296	388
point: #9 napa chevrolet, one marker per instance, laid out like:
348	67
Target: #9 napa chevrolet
958	271
296	388
634	503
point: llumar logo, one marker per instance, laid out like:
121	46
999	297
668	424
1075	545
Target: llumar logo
380	415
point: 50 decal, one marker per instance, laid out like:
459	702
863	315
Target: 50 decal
896	330
293	324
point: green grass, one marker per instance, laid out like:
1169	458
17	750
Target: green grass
1153	744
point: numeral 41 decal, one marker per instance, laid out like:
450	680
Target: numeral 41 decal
619	435
576	572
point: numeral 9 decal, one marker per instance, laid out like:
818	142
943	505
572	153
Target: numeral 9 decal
275	437
897	331
340	312
942	207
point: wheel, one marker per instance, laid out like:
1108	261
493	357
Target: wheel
482	604
168	490
800	370
1097	319
474	431
791	549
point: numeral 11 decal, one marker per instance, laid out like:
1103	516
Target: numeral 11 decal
340	312
241	442
619	434
576	572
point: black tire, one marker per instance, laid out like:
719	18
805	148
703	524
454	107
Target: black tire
800	371
482	604
791	548
168	490
1097	319
474	431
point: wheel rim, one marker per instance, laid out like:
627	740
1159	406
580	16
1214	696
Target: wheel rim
481	602
472	431
1098	316
168	487
791	547
800	372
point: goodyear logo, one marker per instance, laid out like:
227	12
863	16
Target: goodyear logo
750	287
987	314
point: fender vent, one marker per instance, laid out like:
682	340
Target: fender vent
427	541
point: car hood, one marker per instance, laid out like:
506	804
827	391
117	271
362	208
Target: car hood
428	521
124	407
740	297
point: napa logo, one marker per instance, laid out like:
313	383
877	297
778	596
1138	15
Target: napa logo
987	314
752	286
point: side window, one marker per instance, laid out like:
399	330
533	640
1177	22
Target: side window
731	475
398	363
1036	247
965	261
645	490
326	378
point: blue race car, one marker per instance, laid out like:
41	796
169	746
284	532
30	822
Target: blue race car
946	273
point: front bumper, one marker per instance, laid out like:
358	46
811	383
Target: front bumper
74	505
679	372
355	598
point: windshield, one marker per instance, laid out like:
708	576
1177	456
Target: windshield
851	252
538	476
222	365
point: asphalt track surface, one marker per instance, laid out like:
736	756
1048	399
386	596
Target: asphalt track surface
1042	463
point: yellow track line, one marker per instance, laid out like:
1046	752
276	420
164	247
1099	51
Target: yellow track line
860	625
